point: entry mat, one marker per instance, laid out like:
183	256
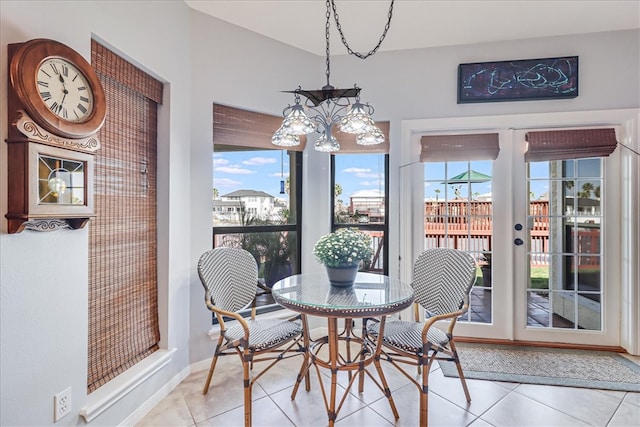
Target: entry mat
550	366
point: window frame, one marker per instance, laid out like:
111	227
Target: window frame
296	227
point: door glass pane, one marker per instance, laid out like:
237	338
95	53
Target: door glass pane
458	214
564	249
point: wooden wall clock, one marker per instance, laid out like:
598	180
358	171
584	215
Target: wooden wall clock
56	106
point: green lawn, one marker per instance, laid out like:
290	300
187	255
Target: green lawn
539	277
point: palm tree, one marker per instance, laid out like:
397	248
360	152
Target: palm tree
587	188
569	185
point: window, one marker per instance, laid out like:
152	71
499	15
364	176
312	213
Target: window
123	302
359	183
261	186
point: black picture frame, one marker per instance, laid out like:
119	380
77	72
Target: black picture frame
518	80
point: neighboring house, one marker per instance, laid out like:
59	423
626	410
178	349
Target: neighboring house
253	204
369	204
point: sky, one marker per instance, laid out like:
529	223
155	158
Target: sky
263	171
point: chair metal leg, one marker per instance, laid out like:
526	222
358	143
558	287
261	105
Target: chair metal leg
424	392
456	359
246	367
213	365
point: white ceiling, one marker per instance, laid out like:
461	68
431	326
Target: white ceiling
419	24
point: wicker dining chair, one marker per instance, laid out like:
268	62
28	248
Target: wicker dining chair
230	279
442	279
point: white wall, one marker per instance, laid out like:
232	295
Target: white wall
204	60
231	66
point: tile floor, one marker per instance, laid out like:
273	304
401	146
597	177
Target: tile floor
493	403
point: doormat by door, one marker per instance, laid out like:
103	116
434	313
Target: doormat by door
550	366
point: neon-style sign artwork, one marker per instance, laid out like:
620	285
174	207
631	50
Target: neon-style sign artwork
528	79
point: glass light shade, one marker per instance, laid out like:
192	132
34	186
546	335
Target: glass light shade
327	145
357	120
57	185
284	140
370	138
297	122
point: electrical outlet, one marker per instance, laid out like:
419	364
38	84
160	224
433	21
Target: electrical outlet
61	404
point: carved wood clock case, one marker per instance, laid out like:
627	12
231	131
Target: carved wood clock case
56	106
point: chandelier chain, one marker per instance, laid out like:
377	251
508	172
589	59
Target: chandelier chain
326	32
344	39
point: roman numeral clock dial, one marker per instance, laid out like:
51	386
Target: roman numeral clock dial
57	88
65	90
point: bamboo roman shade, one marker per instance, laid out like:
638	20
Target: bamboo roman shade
452	148
569	144
123	301
242	128
348	142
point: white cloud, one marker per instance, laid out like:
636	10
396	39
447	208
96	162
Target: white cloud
225	182
257	161
234	170
278	175
369	175
356	170
374	183
362	173
220	161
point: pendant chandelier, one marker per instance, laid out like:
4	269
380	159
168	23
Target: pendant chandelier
325	108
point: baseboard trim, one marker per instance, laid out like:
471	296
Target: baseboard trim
107	395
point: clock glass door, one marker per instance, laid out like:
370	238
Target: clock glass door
60	181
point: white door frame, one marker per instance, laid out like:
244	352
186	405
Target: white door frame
411	210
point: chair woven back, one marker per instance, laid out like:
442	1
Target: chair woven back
442	279
229	277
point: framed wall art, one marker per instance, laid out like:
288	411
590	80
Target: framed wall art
520	80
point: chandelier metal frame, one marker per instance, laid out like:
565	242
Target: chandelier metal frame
323	109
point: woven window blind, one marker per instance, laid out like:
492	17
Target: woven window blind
451	148
242	128
123	305
569	144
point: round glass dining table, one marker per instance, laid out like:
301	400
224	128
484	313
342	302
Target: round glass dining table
371	296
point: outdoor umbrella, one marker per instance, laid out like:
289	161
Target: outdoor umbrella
467	177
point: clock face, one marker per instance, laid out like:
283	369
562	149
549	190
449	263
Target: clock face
65	90
57	88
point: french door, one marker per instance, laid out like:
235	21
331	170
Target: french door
563	229
541	259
